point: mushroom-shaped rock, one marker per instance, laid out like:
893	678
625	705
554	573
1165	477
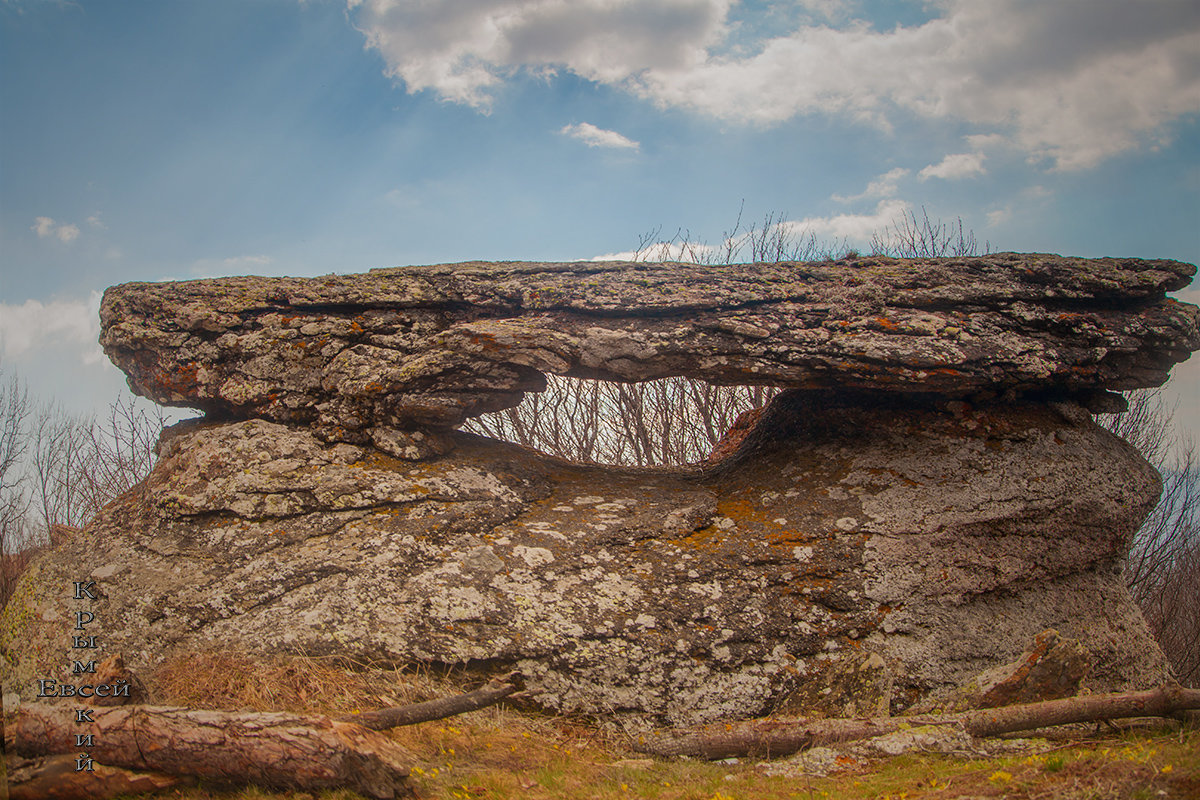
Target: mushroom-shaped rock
925	497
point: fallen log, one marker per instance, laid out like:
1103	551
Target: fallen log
271	742
780	737
272	750
489	694
55	778
1161	702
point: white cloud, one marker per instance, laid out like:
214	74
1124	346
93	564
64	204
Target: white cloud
1073	81
662	251
94	222
624	255
46	227
999	215
34	325
43	227
955	166
463	50
882	186
598	137
853	227
986	141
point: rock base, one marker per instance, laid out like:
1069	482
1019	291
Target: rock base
934	539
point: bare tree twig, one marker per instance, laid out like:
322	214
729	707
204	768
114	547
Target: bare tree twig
493	692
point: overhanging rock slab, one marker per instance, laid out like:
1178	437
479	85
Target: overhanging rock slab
427	347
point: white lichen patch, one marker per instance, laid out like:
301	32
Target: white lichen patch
471	478
613	593
802	553
457	604
710	590
533	556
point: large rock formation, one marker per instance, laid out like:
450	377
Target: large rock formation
929	491
429	346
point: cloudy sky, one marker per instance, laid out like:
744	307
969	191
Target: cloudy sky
151	140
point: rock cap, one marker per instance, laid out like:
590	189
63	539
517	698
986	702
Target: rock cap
430	346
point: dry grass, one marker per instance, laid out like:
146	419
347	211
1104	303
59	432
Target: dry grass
304	684
506	756
500	752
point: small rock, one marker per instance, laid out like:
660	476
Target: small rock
1050	669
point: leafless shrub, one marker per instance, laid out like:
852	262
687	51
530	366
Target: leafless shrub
665	422
909	237
79	464
14	409
59	470
1163	567
14	504
775	239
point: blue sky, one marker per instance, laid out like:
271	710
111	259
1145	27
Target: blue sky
158	140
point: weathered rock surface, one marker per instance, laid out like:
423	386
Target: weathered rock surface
939	536
928	496
427	347
1052	668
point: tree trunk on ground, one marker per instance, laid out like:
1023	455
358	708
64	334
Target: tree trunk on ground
1161	702
780	737
55	778
273	750
490	694
264	744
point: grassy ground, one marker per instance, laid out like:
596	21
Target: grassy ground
510	757
503	753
